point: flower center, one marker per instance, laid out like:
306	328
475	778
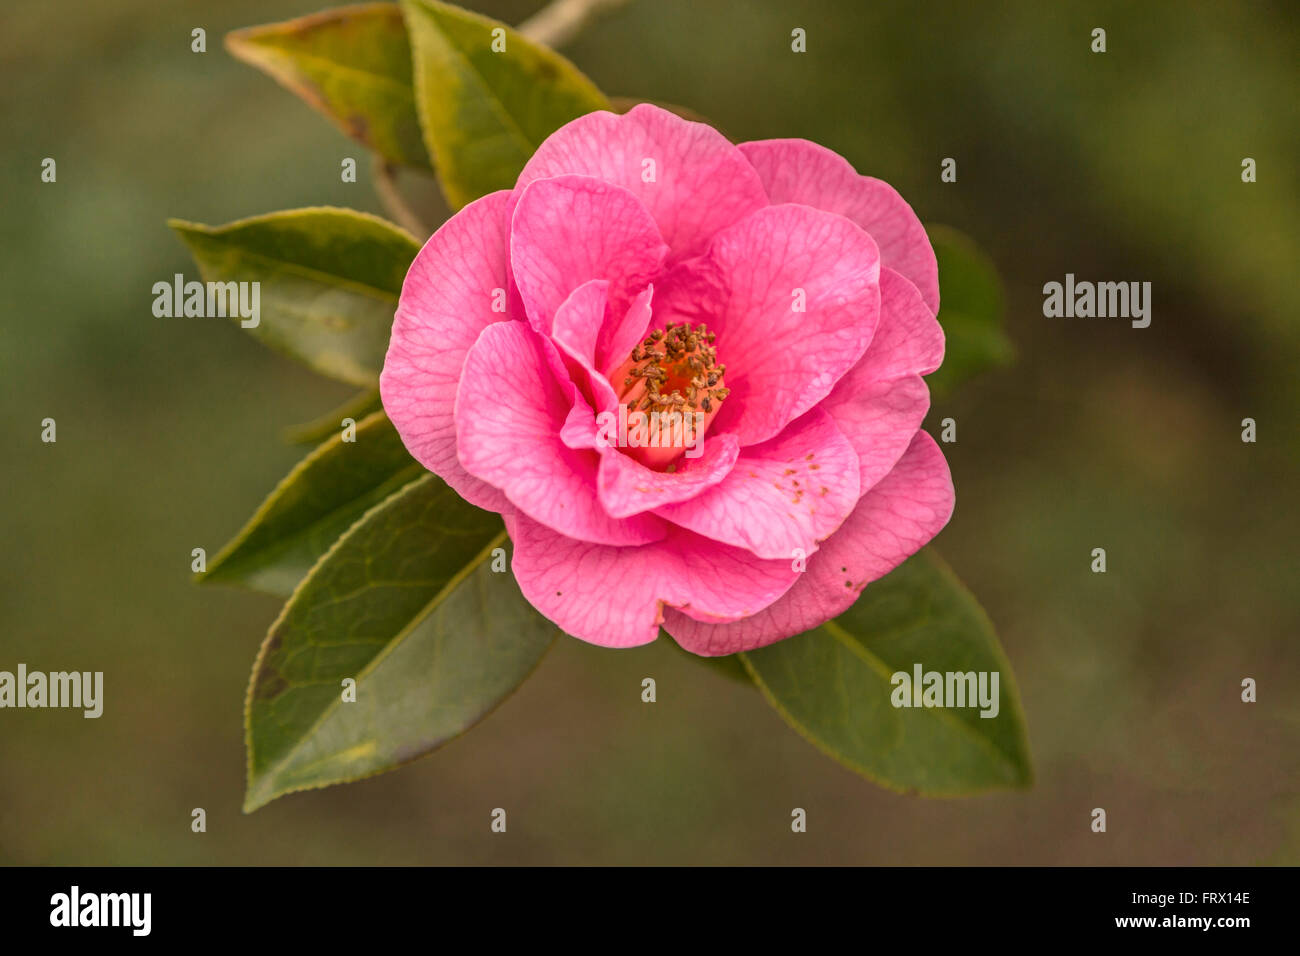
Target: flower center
673	379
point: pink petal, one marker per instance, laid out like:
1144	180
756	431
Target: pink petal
795	170
580	429
509	413
628	487
892	522
701	184
784	495
909	339
882	400
446	302
879	420
780	362
572	229
615	597
588	334
576	329
619	336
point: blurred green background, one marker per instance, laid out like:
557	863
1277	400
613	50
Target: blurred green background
1122	166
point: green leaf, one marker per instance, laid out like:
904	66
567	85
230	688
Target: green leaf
729	666
484	113
328	279
316	502
354	65
833	685
318	429
408	606
971	310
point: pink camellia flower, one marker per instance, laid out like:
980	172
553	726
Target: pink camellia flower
686	373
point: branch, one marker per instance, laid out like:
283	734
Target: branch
562	20
393	202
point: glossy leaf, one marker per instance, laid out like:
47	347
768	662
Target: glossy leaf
729	666
834	686
351	63
357	407
485	112
316	502
329	280
971	310
407	605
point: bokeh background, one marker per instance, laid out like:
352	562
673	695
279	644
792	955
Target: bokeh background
1122	166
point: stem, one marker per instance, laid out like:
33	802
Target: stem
562	20
393	202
